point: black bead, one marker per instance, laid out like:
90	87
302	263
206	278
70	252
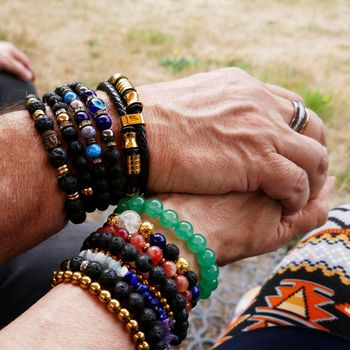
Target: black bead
129	253
59	105
75	263
68	183
80	163
69	133
178	302
181	326
89	203
94	269
98	171
102	200
53	99
111	156
117	183
34	106
157	275
171	252
159	346
147	318
84	179
114	170
120	291
169	288
103	242
94	238
155	334
60	90
108	278
47	96
101	185
176	341
144	263
77	217
116	245
194	303
192	278
75	148
58	157
181	315
64	265
135	303
74	85
43	123
180	337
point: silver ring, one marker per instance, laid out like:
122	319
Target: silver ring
300	118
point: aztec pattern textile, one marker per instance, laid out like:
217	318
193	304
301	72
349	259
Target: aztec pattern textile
309	288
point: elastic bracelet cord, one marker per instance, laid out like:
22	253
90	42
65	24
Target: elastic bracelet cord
57	158
75	149
104	296
96	108
93	150
196	243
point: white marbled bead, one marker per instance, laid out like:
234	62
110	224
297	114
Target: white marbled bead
130	220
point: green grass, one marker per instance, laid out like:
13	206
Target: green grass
177	64
92	42
148	36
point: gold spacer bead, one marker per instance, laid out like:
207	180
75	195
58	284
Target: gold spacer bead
97	161
138	337
166	307
73	197
62	118
37	114
182	265
132	326
115	77
30	101
113	305
124	315
113	219
84	123
146	229
163	301
146	282
171	314
85	282
158	294
59	276
67	276
94	288
62	170
104	296
87	191
76	277
53	282
143	346
140	277
152	288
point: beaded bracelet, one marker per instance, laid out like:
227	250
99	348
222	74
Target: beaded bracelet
183	230
111	157
104	296
75	148
57	157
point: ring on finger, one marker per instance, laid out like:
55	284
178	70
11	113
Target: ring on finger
300	118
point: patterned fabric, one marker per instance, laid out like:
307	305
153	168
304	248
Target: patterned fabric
309	288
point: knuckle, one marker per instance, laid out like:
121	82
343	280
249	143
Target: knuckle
324	162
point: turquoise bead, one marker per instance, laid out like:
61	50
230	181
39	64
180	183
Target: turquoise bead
197	243
210	272
154	208
184	230
93	151
121	206
169	218
137	203
205	293
69	96
206	258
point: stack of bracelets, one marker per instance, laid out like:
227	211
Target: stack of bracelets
133	270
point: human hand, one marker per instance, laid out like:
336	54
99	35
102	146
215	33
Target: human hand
241	225
14	61
213	133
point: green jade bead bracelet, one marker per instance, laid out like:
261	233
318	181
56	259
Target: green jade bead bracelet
196	243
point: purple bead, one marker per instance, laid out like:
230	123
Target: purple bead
95	105
158	239
103	122
153	301
134	280
88	132
80	116
142	289
87	94
195	292
147	294
163	315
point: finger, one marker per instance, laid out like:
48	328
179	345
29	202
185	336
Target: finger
284	180
284	93
308	154
315	127
17	68
23	58
312	216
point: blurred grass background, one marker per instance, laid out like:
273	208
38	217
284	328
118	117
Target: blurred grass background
300	44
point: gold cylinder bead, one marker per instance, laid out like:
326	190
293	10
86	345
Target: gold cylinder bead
73	197
182	265
87	191
131	97
85	282
115	77
124	315
62	118
113	305
76	277
133	164
104	296
67	276
146	229
94	288
37	114
130	140
143	346
138	337
62	170
123	84
132	326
